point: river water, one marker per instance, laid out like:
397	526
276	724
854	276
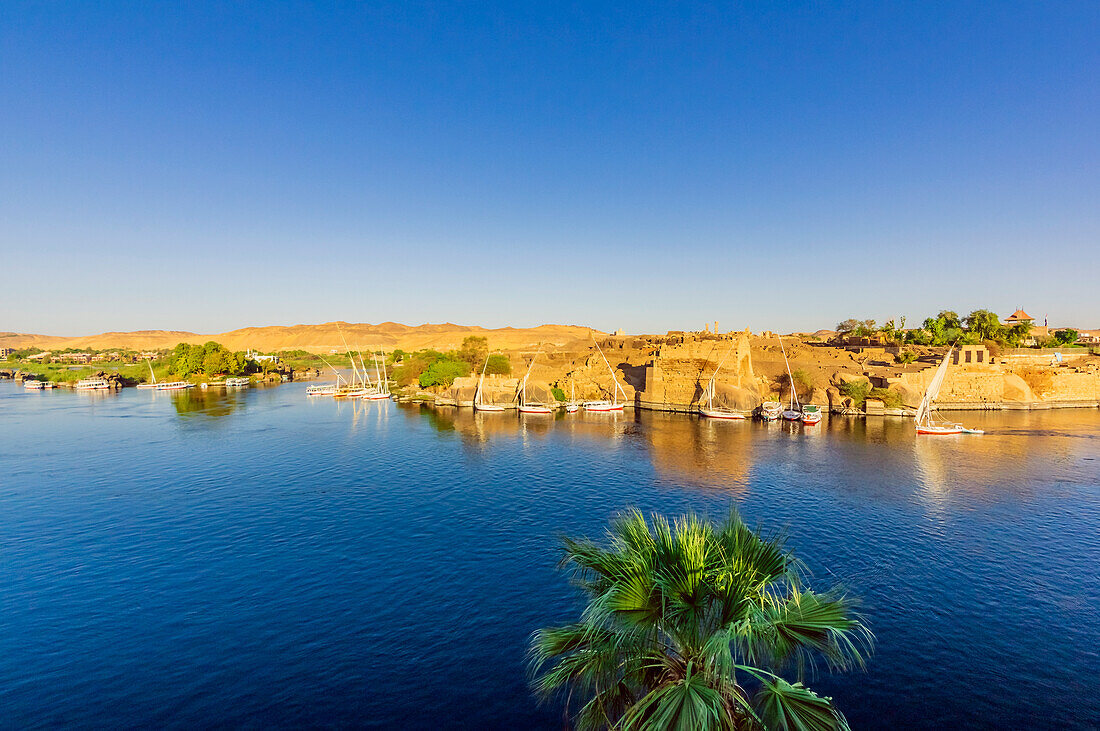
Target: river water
263	559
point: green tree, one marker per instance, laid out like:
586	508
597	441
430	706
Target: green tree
984	325
688	626
474	349
443	372
1066	337
949	319
498	364
847	327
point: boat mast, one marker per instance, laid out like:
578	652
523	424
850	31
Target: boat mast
385	376
710	385
153	375
613	376
790	378
481	381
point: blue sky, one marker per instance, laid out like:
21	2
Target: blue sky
638	165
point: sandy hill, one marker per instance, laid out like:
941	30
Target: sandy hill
316	338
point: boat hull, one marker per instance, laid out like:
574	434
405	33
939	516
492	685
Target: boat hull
811	419
722	414
939	430
488	407
792	415
603	408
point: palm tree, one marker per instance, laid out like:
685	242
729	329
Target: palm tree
687	626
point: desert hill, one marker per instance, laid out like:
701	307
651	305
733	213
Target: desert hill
316	338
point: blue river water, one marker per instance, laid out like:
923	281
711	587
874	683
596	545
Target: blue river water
262	559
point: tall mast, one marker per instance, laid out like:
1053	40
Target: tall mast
347	349
481	381
710	385
790	378
385	376
612	370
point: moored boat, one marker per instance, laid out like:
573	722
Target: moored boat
925	422
711	410
328	389
34	384
92	384
174	386
525	406
794	411
770	410
811	414
605	405
239	382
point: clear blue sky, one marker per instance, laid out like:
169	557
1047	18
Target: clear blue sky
647	166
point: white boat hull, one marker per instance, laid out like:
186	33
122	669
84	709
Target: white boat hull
791	415
488	407
721	414
602	406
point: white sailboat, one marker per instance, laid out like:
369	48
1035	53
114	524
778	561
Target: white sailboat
571	405
794	413
718	412
381	390
925	423
152	375
605	405
530	407
479	403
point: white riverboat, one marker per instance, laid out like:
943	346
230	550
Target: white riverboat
92	384
238	382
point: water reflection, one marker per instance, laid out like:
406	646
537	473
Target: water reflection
199	403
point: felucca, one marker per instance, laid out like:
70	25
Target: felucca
152	375
382	390
718	412
530	407
925	422
794	413
479	404
605	405
571	405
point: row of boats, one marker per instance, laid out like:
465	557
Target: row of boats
361	386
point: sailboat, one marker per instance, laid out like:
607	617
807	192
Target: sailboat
925	422
605	405
811	414
325	389
382	390
530	407
571	405
152	375
479	404
718	412
794	413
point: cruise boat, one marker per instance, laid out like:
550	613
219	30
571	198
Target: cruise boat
479	403
328	389
238	382
925	423
718	412
34	384
525	406
92	384
811	414
604	404
174	386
